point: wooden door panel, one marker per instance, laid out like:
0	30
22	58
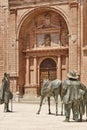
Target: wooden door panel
47	74
52	74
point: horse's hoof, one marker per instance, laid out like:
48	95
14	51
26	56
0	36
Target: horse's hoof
37	113
79	120
66	120
61	114
49	113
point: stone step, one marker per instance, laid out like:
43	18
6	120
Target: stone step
36	100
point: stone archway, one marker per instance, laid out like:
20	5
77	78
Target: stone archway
34	30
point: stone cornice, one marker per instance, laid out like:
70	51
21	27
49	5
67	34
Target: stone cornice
46	52
17	4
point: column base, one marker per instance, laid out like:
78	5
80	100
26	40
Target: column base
30	89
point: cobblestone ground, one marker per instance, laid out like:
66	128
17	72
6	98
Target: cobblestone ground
24	117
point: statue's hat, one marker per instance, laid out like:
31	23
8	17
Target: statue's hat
72	75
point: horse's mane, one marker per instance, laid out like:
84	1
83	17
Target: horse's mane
46	82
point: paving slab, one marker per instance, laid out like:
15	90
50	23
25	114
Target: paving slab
24	117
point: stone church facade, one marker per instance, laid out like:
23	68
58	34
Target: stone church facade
42	39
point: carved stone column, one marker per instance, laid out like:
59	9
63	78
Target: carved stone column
35	70
27	72
59	68
38	80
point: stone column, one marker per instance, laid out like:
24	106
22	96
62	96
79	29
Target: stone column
73	41
59	68
35	71
67	64
4	15
38	80
80	35
27	72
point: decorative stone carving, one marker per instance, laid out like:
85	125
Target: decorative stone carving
74	38
73	3
47	21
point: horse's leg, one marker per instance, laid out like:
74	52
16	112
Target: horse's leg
86	111
61	103
41	101
62	108
49	104
56	108
56	101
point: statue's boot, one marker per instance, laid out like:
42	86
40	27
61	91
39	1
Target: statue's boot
80	120
6	108
76	118
66	120
67	115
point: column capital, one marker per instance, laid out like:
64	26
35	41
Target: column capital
34	56
58	56
27	57
73	3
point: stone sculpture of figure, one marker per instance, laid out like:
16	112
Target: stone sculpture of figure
47	40
6	94
47	20
72	93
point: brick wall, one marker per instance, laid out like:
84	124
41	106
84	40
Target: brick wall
3	37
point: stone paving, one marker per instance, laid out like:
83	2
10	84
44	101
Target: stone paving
24	117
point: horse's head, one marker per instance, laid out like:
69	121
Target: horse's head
45	82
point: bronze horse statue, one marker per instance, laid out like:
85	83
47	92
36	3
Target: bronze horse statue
83	104
51	88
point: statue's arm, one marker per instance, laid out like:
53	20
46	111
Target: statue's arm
83	87
64	89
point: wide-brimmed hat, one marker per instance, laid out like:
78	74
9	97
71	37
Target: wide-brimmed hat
5	74
72	75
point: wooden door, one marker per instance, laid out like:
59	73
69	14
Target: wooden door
47	71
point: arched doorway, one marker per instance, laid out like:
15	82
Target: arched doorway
48	70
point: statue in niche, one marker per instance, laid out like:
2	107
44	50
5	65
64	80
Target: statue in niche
64	38
46	40
47	20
